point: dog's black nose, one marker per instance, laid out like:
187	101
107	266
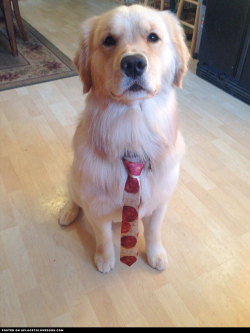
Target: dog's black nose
133	65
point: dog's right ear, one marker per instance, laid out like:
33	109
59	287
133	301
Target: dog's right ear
82	59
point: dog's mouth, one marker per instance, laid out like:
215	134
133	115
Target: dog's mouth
135	88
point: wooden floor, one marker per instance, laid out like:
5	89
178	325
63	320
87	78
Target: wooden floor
47	274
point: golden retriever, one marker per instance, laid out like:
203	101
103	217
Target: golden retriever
129	59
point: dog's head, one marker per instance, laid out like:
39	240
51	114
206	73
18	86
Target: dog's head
131	53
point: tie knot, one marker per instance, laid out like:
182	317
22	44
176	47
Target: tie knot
134	168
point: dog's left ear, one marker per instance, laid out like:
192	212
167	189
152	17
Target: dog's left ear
178	39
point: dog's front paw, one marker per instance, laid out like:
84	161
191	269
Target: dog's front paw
157	257
68	213
105	261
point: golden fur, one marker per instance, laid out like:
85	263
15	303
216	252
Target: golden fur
118	121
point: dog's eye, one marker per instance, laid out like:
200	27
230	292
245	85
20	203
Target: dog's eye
109	41
152	38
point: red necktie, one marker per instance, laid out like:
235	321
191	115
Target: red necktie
131	203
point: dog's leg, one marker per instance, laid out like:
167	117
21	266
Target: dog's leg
156	253
68	213
104	256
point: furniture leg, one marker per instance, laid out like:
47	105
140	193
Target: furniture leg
10	26
194	37
19	19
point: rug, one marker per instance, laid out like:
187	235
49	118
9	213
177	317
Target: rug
38	60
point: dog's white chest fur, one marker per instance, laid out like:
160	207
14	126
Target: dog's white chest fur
104	136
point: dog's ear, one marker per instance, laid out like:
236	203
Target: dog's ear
178	39
82	59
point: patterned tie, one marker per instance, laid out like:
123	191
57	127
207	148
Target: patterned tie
131	203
